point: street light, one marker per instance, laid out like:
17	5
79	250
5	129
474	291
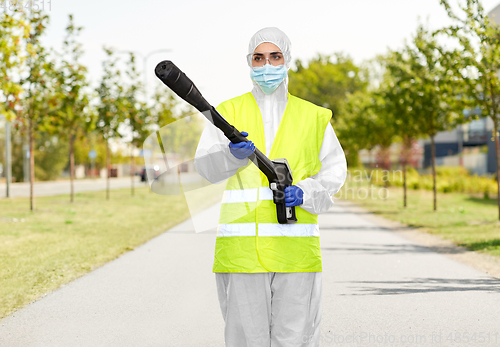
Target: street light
144	65
8	159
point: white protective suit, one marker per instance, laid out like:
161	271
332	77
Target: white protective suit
272	309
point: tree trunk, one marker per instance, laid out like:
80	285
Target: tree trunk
386	163
404	183
497	152
433	159
406	155
132	169
72	167
32	164
179	177
92	161
8	159
108	166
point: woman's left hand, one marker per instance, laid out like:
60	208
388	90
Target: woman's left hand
293	196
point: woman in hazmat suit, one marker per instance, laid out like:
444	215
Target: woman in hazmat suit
268	274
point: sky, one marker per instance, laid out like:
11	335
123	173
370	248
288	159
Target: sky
208	40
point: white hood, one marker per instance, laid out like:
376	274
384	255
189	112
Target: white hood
272	106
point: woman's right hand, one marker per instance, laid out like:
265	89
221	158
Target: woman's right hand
242	150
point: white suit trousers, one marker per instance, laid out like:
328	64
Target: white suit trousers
270	309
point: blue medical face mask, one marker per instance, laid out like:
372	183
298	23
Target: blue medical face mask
268	77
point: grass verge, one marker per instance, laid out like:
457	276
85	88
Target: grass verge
60	241
467	221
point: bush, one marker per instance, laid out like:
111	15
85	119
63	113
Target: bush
448	180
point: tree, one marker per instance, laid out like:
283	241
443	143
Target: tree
51	153
112	108
17	155
84	145
352	111
179	128
183	143
400	95
336	83
163	109
138	113
357	128
476	62
39	98
326	81
14	30
437	101
74	118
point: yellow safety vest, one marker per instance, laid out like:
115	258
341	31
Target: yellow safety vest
249	237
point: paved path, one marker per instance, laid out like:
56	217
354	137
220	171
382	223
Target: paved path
63	187
379	289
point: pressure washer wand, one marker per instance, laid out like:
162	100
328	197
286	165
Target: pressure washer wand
277	171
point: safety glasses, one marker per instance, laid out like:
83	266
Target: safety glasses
258	59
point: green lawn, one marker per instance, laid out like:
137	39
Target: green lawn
468	221
61	241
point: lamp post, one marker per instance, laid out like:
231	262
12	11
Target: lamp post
494	16
8	159
144	65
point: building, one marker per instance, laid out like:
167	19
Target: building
470	145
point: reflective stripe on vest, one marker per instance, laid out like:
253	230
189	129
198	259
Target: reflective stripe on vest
249	238
267	230
246	195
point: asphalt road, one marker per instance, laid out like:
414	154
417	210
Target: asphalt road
379	289
63	187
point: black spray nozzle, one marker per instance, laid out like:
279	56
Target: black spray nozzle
177	81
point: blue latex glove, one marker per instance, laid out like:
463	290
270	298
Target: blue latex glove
293	196
242	150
